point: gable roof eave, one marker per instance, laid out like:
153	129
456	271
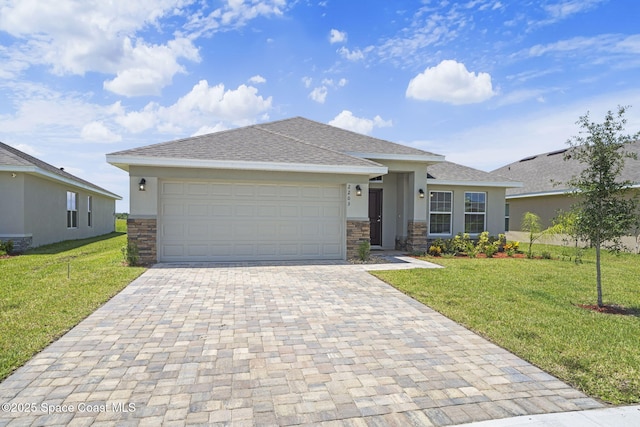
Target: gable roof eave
503	184
559	192
401	157
35	170
123	162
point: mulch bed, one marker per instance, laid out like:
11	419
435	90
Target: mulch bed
611	309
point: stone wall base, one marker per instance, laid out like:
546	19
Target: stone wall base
417	236
20	244
357	232
142	232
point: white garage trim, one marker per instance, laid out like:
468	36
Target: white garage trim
226	221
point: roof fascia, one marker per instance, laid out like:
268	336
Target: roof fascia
550	193
124	162
52	176
475	183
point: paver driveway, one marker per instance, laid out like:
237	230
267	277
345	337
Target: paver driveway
274	345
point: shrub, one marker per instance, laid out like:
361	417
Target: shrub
483	242
491	250
364	250
6	247
130	254
546	255
435	250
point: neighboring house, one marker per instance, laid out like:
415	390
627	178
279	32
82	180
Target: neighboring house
544	177
285	190
43	204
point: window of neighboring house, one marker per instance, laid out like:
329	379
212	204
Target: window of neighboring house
72	210
506	217
475	210
440	209
90	211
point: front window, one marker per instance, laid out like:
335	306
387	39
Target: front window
440	209
72	210
475	209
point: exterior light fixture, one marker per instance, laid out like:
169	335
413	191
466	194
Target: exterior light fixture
142	185
421	193
358	190
13	175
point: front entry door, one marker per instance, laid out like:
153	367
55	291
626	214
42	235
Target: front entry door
375	216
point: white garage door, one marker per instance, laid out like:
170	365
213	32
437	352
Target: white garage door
213	221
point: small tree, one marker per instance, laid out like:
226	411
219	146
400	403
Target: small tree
605	211
531	224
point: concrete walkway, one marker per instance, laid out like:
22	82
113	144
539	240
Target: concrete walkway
322	344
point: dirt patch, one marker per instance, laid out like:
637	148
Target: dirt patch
611	309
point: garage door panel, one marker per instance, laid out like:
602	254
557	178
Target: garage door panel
197	189
224	222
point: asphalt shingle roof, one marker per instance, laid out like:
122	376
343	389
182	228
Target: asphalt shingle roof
548	172
10	156
295	140
448	171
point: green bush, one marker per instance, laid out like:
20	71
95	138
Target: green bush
435	250
6	247
364	250
130	254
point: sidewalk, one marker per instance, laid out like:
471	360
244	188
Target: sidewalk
621	416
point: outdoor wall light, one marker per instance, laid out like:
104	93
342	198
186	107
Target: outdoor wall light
142	185
421	193
358	190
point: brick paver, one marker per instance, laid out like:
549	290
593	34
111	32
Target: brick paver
274	345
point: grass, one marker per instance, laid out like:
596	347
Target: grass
48	290
528	306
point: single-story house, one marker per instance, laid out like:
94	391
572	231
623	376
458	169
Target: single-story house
43	204
545	191
286	190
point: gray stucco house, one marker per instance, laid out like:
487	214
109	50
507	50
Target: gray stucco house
297	189
43	204
544	190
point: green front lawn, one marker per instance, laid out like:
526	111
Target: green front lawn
48	290
528	306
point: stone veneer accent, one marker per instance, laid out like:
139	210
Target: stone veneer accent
357	232
20	244
143	233
417	236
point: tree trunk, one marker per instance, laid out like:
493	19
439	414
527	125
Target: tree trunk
598	275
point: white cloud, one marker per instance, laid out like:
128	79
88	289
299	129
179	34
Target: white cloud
233	13
307	81
319	94
450	82
205	104
147	69
257	79
78	37
346	120
351	55
98	132
210	129
342	82
336	36
26	148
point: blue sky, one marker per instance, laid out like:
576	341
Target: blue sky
483	82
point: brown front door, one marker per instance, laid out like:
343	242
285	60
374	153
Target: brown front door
375	216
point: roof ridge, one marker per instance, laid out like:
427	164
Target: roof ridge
342	153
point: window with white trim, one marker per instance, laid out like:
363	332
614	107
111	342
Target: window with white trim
440	212
72	209
90	211
475	212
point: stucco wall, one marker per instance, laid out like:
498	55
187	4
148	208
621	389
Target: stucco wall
45	212
546	207
11	205
494	213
